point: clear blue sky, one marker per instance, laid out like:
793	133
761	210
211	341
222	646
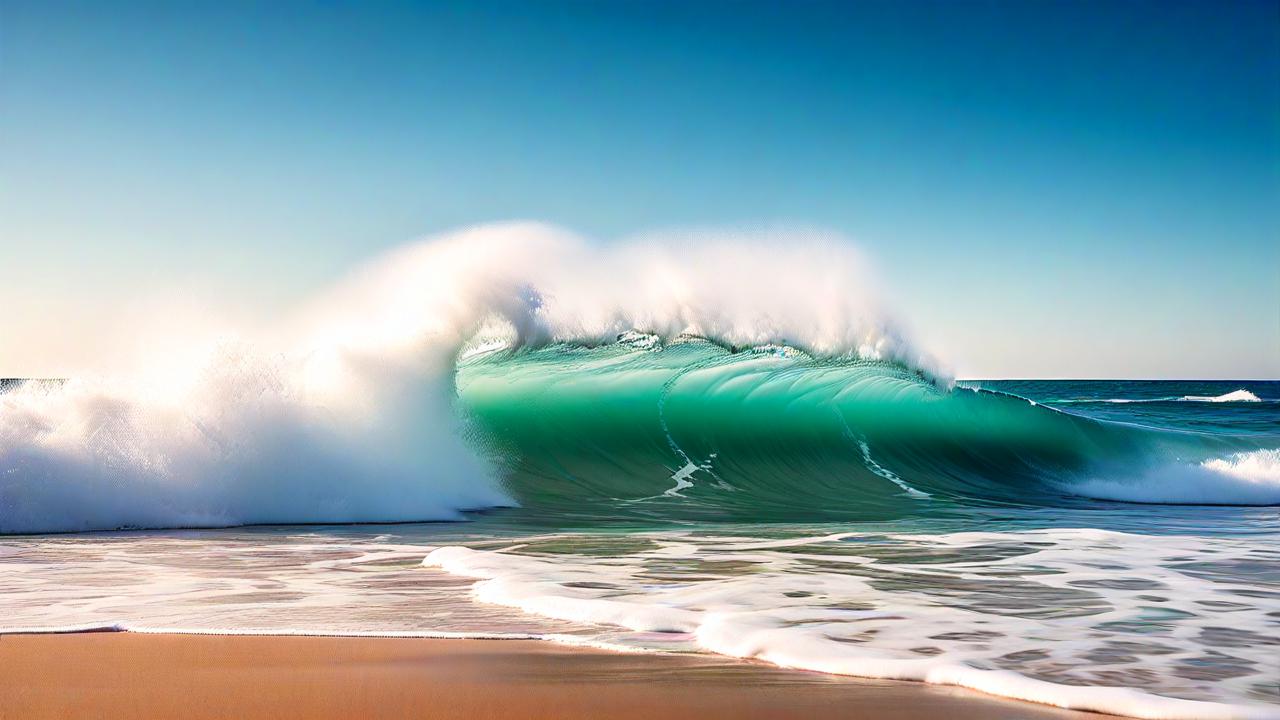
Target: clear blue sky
1049	188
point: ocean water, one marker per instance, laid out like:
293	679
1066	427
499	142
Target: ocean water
1024	538
773	475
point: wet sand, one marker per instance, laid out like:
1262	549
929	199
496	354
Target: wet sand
124	675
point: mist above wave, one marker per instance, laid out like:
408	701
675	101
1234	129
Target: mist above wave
534	284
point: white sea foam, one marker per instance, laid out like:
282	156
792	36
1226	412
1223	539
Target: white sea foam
1250	478
255	583
343	414
1089	620
1240	395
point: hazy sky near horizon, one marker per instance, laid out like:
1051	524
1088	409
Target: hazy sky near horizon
1049	189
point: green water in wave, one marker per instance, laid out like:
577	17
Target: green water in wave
696	431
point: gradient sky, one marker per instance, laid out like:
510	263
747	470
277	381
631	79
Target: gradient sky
1050	189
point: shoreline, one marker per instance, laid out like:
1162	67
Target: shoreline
146	675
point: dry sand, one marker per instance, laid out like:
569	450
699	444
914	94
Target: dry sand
122	675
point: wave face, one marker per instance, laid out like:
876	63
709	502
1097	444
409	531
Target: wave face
692	430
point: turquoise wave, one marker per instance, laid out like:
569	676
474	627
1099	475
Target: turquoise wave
694	430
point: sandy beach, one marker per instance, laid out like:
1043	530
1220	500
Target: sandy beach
123	675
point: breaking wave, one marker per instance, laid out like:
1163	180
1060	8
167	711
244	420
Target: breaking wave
692	430
730	376
345	413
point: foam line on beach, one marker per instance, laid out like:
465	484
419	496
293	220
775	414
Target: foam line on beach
557	638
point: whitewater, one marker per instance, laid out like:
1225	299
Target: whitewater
690	442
